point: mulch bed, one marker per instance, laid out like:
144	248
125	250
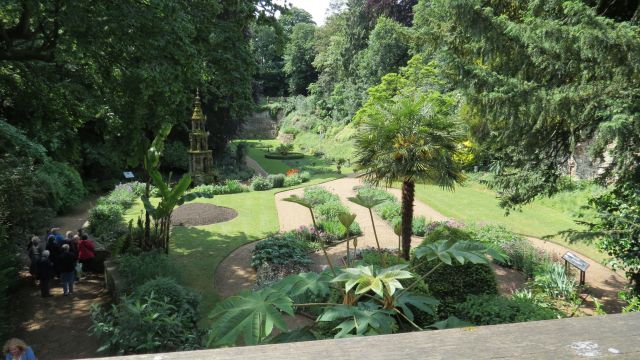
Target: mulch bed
201	214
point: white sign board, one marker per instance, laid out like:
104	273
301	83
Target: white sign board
128	174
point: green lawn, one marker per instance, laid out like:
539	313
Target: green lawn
197	251
474	203
317	166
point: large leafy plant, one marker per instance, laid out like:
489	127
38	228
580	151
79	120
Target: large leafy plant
374	300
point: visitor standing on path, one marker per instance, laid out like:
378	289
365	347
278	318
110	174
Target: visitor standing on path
67	263
54	251
86	252
16	349
35	252
45	273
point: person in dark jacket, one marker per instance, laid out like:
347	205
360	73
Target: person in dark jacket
45	273
67	262
54	251
35	252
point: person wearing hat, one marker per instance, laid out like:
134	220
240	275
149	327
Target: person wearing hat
45	273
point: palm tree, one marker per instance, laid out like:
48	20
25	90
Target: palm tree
409	139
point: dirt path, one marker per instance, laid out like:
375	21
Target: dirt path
602	282
58	327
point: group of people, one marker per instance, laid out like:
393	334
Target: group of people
61	256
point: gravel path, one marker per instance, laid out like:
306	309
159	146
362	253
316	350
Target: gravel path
602	282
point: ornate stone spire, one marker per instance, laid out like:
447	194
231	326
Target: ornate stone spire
198	115
201	158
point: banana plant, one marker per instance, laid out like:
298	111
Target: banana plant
346	219
169	199
309	205
150	162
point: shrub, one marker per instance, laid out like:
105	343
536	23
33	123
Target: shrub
493	234
282	249
375	192
389	211
277	180
335	230
330	210
451	284
233	187
177	295
105	218
318	195
418	225
135	270
374	257
551	279
138	187
288	156
490	310
122	195
445	232
148	323
523	256
260	183
453	224
292	180
229	187
304	176
62	184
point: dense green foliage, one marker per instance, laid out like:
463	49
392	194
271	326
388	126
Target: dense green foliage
135	270
616	228
291	248
92	83
374	300
159	316
228	187
452	284
298	56
491	310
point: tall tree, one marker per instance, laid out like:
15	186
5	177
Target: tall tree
298	58
542	77
410	138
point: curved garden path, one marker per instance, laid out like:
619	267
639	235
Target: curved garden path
235	273
58	327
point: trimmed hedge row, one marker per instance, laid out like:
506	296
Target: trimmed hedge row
289	156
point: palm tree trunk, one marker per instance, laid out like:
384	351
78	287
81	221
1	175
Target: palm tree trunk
408	192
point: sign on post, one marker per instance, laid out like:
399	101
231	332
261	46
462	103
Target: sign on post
573	259
128	174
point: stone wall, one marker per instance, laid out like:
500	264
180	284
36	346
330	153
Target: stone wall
259	125
581	166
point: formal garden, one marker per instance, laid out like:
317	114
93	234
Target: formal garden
252	176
